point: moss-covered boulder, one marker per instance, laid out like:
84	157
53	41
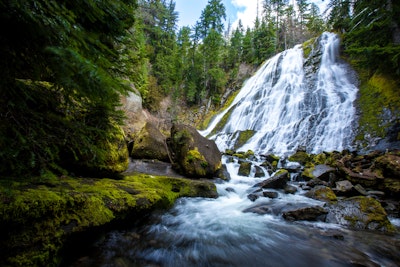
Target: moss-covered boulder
322	193
244	168
109	159
192	154
301	157
389	165
360	213
38	217
150	143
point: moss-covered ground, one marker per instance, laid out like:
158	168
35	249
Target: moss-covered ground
38	215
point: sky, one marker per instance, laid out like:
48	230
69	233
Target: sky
246	10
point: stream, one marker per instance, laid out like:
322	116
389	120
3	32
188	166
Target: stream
218	232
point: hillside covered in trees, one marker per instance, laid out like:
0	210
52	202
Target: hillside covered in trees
66	64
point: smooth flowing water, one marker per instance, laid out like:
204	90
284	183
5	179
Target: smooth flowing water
287	109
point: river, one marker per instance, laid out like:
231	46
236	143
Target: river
218	232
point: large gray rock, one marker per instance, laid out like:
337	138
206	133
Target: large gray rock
278	181
192	154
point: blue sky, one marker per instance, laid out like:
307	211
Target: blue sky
190	10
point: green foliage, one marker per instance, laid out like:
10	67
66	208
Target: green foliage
378	95
369	32
60	84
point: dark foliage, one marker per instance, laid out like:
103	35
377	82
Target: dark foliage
60	84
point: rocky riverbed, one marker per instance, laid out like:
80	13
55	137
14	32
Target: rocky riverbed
359	191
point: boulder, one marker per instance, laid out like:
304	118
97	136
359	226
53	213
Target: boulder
290	189
300	156
315	182
321	171
270	163
259	172
278	181
344	188
389	164
314	213
253	197
364	213
322	193
244	168
223	173
292	166
192	154
149	143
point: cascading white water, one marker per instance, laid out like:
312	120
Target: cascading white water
286	109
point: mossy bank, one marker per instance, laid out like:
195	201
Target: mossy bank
38	217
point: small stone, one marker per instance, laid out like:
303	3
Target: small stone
230	189
290	189
360	189
270	194
253	197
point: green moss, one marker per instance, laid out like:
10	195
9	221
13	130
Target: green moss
243	137
379	94
239	155
307	47
249	153
245	168
301	157
320	159
221	124
195	163
37	218
208	118
373	213
322	193
307	173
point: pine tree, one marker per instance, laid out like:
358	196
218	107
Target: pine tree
60	83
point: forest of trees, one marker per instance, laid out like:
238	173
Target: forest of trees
65	64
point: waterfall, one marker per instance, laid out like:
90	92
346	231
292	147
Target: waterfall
281	108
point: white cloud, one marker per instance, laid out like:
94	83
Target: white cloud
248	14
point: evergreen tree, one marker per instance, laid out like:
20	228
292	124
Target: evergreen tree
210	29
235	51
369	30
60	83
159	18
